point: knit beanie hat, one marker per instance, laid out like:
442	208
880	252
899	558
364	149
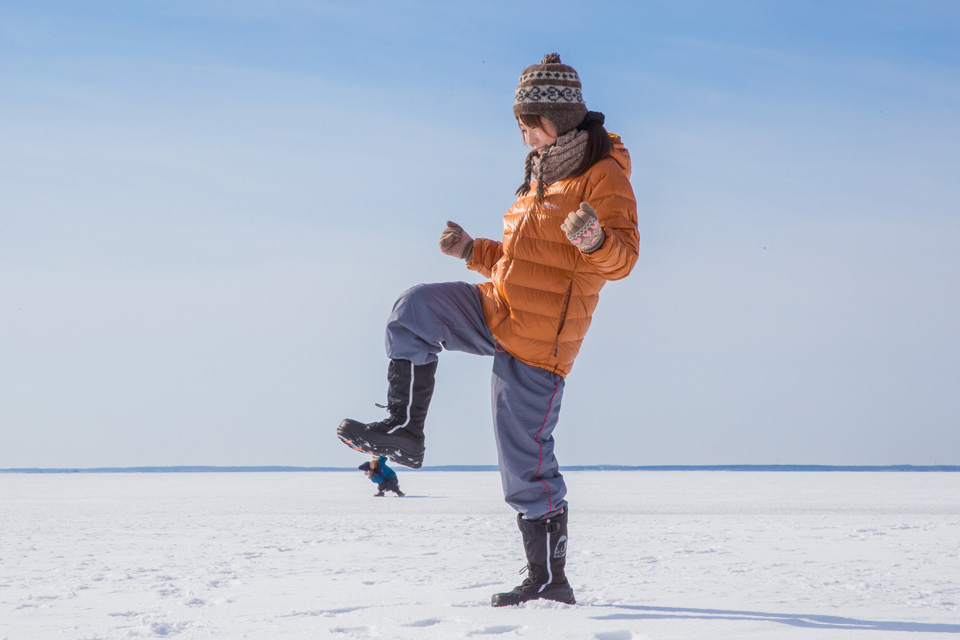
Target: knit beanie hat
364	467
551	89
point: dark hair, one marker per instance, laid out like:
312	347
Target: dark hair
599	144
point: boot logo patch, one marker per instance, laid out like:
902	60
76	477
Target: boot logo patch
560	550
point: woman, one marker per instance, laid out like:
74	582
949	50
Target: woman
572	228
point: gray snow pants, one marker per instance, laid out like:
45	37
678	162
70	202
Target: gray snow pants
526	400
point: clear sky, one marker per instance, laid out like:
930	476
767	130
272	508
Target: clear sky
207	209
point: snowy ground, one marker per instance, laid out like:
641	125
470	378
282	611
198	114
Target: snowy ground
657	555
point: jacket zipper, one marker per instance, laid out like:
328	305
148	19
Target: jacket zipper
564	308
563	319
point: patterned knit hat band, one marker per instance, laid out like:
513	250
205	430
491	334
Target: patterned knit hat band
551	89
537	73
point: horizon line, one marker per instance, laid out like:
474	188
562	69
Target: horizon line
598	467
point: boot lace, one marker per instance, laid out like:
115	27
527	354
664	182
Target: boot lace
392	419
533	574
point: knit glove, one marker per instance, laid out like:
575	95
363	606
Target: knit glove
454	241
583	229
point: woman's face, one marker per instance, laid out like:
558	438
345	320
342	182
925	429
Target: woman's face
539	137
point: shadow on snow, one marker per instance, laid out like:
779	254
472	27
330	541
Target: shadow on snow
792	619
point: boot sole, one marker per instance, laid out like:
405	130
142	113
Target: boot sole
351	433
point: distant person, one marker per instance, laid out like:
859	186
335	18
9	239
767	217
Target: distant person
572	228
385	477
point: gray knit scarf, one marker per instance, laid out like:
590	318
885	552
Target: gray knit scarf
558	161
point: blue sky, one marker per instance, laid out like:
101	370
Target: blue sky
208	208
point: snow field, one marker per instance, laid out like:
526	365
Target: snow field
314	555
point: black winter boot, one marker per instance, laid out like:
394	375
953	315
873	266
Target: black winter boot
545	543
399	436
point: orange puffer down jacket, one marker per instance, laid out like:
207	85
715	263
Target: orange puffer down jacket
543	290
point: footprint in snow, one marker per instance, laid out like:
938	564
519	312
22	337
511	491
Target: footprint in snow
429	622
354	632
492	631
166	629
479	585
328	613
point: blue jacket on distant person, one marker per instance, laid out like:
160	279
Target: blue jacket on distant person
384	477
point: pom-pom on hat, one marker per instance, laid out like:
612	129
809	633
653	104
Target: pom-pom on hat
551	89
